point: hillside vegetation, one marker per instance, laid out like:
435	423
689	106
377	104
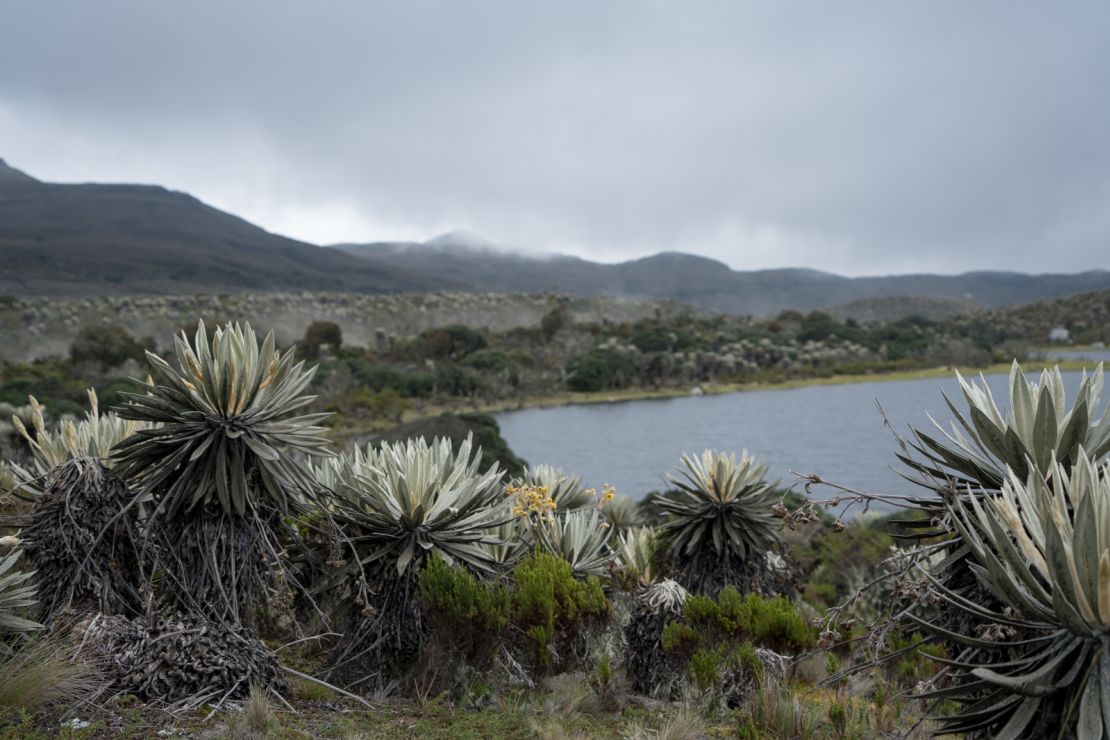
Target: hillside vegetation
32	328
387	359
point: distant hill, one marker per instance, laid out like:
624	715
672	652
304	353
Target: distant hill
92	239
712	285
80	240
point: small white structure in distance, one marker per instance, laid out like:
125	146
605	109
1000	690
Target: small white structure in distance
1059	334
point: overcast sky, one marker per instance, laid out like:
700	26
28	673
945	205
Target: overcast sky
860	138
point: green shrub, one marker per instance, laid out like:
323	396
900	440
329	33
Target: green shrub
718	638
458	381
603	681
551	607
835	559
464	617
323	332
653	337
105	345
51	382
553	321
680	639
744	656
601	369
488	360
776	623
722	634
818	326
705	665
918	664
384	404
377	378
450	342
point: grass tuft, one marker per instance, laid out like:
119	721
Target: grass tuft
255	720
570	694
44	674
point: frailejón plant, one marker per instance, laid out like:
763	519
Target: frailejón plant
718	523
219	467
1041	659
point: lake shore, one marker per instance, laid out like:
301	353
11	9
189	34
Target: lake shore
570	398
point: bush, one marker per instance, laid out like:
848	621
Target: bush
488	360
105	345
835	561
384	404
464	618
553	321
456	381
772	623
551	608
601	369
50	382
818	326
323	332
450	342
379	377
717	639
651	336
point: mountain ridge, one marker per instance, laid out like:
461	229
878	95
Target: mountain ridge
93	239
97	239
711	284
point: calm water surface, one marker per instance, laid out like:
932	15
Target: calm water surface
835	431
1094	354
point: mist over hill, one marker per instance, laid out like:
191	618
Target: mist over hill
94	239
713	285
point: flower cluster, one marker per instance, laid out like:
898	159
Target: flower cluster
528	500
607	494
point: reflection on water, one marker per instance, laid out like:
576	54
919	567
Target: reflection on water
835	431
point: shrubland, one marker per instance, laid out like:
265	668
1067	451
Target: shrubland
435	354
199	558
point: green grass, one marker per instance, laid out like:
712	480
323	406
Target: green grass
513	718
340	720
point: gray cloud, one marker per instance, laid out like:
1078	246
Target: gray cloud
861	138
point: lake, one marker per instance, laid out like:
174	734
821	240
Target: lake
835	431
1093	354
